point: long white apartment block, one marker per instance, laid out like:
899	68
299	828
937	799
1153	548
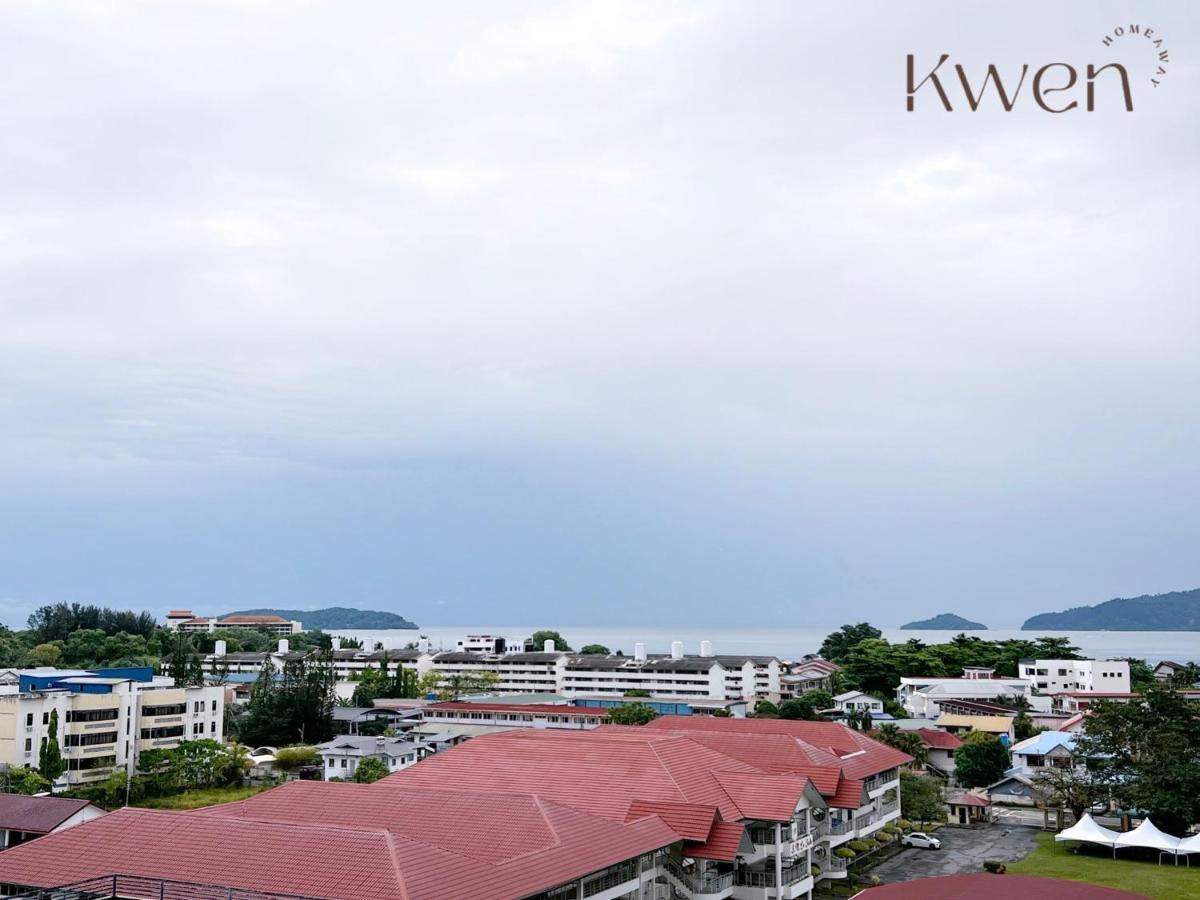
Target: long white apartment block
679	676
105	717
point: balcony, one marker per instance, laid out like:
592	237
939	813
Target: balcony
613	877
877	782
886	809
839	828
835	867
764	876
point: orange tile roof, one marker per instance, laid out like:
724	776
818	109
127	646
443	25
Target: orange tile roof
722	844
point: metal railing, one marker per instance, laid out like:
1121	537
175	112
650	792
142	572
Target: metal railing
836	864
886	809
124	887
875	782
766	877
843	827
619	874
698	882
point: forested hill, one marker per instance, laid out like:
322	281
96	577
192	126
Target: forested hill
1177	611
333	617
944	622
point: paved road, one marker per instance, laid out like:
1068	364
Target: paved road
963	850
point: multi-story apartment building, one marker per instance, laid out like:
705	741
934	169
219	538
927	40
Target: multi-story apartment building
683	809
1053	676
675	676
183	620
105	717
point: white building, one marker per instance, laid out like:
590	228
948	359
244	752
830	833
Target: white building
706	676
183	620
1053	676
857	701
105	717
921	695
340	757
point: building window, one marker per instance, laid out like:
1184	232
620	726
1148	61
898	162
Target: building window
29	720
45	718
28	745
91	740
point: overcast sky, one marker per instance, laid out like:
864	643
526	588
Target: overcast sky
585	312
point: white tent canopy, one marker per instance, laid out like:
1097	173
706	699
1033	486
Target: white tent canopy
1088	831
1190	844
1148	836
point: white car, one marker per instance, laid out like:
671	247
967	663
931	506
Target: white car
920	839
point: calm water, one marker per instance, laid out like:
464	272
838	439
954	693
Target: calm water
791	643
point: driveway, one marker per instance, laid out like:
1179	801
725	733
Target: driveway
963	850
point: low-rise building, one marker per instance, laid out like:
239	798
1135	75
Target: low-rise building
1000	726
105	717
1049	749
922	696
940	747
24	818
514	715
340	757
272	624
857	701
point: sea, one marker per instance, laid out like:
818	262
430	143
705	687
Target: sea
786	643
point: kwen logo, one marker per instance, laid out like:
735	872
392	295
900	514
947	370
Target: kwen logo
1055	87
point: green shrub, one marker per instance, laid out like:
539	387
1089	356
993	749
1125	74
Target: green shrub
904	824
814	870
884	838
844	853
859	846
995	866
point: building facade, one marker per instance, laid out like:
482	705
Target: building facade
105	717
1053	676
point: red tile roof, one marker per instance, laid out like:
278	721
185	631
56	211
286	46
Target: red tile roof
723	842
963	798
693	821
936	739
348	842
996	887
38	815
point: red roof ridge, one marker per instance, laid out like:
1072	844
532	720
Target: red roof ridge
396	867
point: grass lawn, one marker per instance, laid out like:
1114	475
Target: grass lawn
195	799
1055	860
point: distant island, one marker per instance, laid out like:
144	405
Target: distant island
944	622
1177	611
334	617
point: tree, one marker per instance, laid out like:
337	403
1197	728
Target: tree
1070	787
1186	677
50	760
45	655
540	637
370	769
295	708
766	709
1148	754
22	780
114	789
797	708
595	650
981	760
905	741
1141	676
293	757
921	797
632	714
838	645
818	699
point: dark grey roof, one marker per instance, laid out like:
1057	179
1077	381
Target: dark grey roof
736	660
243	656
458	656
600	662
38	815
534	657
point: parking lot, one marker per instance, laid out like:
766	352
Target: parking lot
963	850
